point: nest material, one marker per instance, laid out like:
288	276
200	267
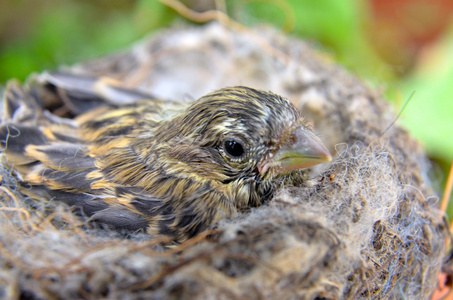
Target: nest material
363	227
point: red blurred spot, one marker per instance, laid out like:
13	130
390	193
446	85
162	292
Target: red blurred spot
442	289
400	29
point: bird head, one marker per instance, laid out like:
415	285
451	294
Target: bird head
244	141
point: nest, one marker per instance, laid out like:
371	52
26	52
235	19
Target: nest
365	226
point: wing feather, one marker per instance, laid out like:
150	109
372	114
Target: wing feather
67	144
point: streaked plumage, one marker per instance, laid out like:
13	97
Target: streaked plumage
167	167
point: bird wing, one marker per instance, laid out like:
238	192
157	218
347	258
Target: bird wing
54	157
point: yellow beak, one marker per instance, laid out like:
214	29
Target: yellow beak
302	150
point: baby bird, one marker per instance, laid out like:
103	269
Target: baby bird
168	168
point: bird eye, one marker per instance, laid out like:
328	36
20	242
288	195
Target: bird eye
234	148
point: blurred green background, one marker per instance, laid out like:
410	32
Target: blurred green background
398	46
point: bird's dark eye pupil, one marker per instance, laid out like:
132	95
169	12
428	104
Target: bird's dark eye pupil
234	148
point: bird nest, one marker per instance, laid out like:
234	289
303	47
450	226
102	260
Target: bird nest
365	226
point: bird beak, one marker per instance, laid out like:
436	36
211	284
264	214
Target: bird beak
302	150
